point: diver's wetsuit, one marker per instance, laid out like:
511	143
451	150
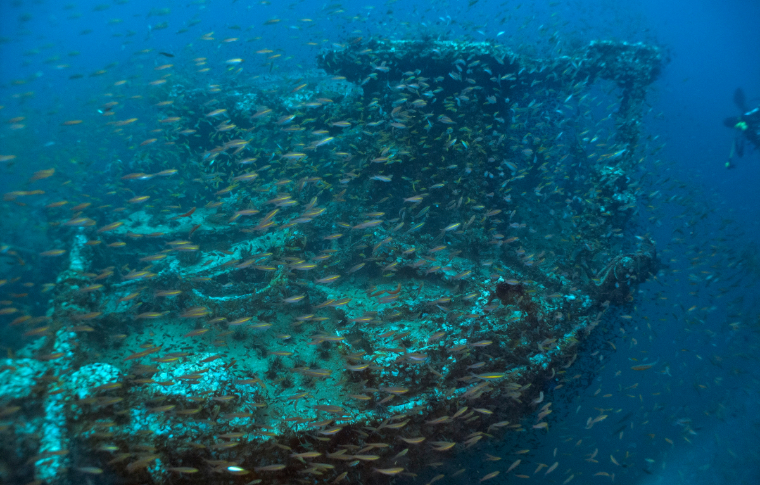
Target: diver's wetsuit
748	125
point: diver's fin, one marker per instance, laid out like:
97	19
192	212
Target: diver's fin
731	121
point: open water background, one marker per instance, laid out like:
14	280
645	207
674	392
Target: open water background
704	394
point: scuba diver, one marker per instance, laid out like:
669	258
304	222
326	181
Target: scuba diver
747	126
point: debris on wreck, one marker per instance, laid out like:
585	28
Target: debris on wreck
616	281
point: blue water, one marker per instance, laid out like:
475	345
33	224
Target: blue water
692	419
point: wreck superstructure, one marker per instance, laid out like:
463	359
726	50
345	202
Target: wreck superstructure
392	255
